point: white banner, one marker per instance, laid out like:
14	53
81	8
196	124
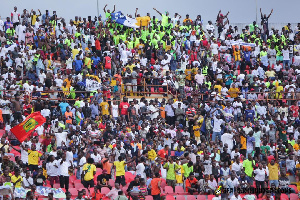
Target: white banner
92	85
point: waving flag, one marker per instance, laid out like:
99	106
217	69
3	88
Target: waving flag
119	18
24	129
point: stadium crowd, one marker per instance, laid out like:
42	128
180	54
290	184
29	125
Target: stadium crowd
170	108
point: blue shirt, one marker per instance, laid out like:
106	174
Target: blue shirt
249	114
95	60
63	107
250	141
247	56
78	65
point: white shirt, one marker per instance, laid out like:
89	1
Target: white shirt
59	82
61	137
115	110
140	169
51	169
286	54
199	78
217	124
24	156
227	138
81	163
236	198
97	158
63	167
27	182
260	174
236	167
45	112
42	78
247	130
234	154
15	16
1	25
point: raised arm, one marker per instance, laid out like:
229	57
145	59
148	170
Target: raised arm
226	15
261	13
270	13
104	9
136	12
157	11
114	9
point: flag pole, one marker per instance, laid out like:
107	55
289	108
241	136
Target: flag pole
256	11
98	8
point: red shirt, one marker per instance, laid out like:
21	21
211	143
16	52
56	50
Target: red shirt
25	107
295	110
46	142
124	108
163	153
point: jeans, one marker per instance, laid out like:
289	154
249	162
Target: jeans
292	171
275	183
249	151
156	197
259	184
281	163
216	134
286	63
64	182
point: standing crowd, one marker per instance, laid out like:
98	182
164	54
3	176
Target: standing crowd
171	107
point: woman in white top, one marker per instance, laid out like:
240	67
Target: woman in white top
260	176
140	168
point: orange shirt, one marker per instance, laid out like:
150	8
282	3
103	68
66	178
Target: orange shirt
98	196
69	116
118	78
188	183
68	82
107	166
155	190
163	113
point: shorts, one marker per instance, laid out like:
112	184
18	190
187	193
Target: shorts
120	180
88	184
171	183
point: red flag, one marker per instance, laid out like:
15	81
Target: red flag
24	129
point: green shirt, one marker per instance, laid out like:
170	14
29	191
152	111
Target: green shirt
265	149
164	20
187	170
171	170
247	164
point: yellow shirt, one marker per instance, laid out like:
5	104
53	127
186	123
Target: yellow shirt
145	20
68	82
233	92
33	19
219	87
131	67
279	89
33	157
120	168
89	169
14	181
152	155
270	74
296	147
6	147
104	106
196	132
88	62
74	53
188	74
273	171
243	142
